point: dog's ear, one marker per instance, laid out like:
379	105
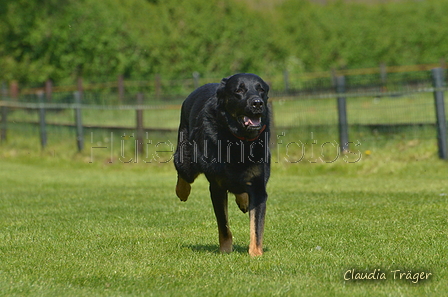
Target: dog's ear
220	92
266	88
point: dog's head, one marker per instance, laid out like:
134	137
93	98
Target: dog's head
244	100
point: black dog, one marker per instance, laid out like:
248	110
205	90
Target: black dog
224	133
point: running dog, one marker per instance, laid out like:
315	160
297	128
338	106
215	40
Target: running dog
224	133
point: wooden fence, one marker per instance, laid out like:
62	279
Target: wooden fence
157	84
339	94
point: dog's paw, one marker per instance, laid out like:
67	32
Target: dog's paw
227	249
255	251
243	201
183	189
225	244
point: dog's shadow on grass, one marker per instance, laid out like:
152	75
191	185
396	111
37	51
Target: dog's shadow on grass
214	248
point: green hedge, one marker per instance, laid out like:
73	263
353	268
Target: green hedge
60	40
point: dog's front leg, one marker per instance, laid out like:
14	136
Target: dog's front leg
219	199
257	211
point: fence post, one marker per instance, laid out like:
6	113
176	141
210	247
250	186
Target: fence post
49	90
4	124
333	75
158	86
80	87
286	79
196	79
4	114
383	76
342	113
78	122
42	124
120	89
14	90
437	76
139	117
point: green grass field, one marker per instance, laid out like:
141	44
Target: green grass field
73	228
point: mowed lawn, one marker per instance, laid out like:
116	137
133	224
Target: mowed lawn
70	228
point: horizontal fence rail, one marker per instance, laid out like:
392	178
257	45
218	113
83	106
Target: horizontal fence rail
379	78
31	105
344	104
279	97
156	83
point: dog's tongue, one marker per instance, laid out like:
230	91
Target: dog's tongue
251	121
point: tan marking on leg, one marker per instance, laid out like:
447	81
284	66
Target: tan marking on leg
183	189
243	201
255	249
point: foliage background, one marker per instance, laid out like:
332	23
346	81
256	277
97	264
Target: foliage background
63	39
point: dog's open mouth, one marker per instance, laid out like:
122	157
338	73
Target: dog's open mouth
251	122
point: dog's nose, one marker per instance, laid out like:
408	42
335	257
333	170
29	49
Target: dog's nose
257	103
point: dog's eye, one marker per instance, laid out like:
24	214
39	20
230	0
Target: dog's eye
241	89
